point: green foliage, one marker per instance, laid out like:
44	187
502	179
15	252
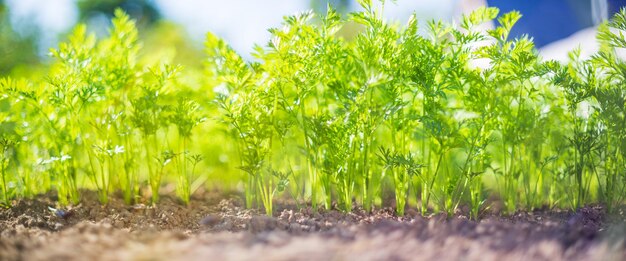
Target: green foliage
99	115
439	126
332	121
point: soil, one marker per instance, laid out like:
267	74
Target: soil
216	227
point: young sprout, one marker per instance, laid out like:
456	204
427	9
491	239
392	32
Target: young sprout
105	155
7	149
186	116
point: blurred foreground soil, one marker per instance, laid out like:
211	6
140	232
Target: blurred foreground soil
217	227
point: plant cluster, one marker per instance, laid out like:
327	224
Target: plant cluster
409	107
101	116
395	111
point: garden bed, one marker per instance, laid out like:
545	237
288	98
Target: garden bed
218	227
371	131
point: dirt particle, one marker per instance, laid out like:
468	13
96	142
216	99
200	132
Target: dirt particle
58	226
118	224
210	220
262	223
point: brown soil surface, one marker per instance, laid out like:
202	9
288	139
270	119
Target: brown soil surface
216	227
